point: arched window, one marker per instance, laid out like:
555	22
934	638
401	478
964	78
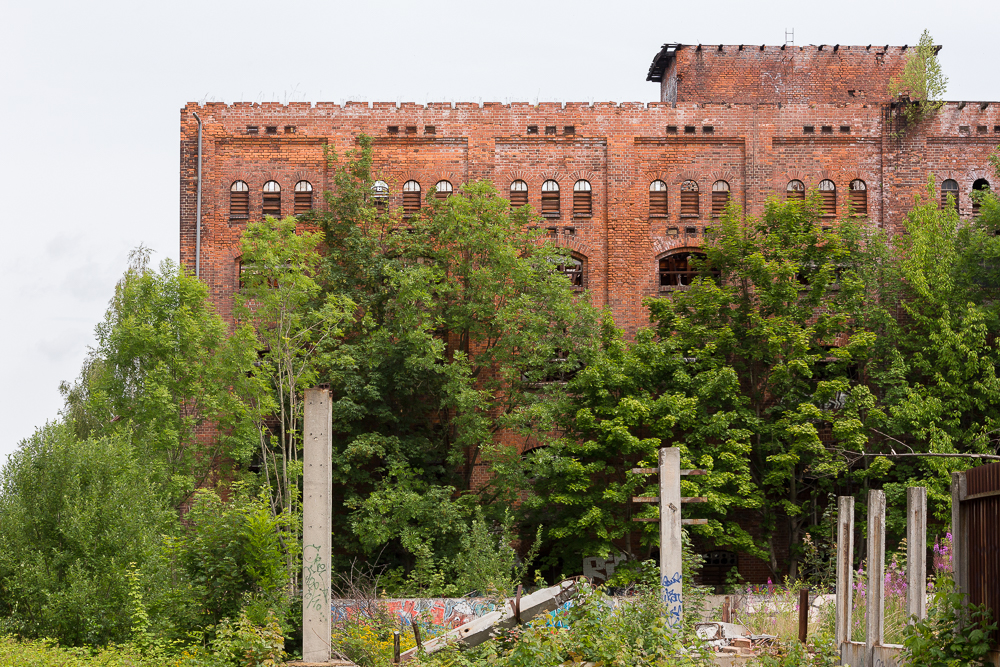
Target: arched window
573	269
980	186
657	199
411	198
859	197
380	195
676	270
550	199
303	197
518	193
828	197
949	187
689	198
582	206
239	200
272	199
796	191
443	190
720	197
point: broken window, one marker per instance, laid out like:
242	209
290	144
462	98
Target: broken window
272	199
677	270
828	197
582	205
380	195
980	187
657	199
303	197
518	193
443	190
859	197
573	270
411	197
550	199
796	191
720	198
949	189
689	198
239	201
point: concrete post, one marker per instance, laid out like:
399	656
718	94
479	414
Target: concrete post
874	621
670	533
959	533
845	569
317	525
916	552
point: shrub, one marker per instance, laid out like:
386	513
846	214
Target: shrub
952	634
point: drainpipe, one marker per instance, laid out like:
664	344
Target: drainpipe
197	246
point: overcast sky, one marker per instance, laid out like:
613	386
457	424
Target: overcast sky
91	94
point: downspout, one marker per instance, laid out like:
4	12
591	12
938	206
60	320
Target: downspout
197	243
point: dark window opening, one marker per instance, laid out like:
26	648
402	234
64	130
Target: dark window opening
392	129
708	129
963	129
982	129
949	189
569	129
411	129
678	270
979	188
691	231
689	129
550	129
671	129
846	129
253	129
657	199
827	129
430	129
808	129
716	568
689	198
532	129
573	270
289	129
380	196
271	129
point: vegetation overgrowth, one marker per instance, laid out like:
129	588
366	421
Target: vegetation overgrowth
487	415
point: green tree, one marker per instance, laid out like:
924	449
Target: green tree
73	514
923	82
166	369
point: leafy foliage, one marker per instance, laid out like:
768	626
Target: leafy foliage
952	634
923	82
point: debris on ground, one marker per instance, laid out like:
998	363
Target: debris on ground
731	637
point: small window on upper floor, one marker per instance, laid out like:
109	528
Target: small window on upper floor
949	189
796	191
303	197
828	197
657	199
380	196
239	201
411	197
859	197
550	199
689	198
272	199
518	193
979	187
443	190
720	198
582	204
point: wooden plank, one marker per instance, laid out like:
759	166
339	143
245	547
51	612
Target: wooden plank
875	594
694	522
916	550
695	471
694	499
845	571
643	471
647	519
645	499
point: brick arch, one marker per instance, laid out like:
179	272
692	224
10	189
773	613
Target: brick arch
975	173
823	175
665	245
781	180
513	175
272	176
305	176
246	178
650	176
552	174
584	174
728	176
451	177
575	244
688	175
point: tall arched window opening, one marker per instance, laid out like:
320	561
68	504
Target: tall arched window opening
677	270
518	194
949	188
828	197
657	199
582	203
303	197
796	191
443	190
272	199
689	198
859	197
550	199
980	186
411	198
239	201
380	196
720	198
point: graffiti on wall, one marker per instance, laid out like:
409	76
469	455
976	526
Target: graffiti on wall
443	612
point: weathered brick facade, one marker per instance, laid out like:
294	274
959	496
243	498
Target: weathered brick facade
754	117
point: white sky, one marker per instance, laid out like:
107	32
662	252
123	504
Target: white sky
91	93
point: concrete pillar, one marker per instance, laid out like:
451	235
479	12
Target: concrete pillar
875	593
317	525
845	568
670	533
916	552
959	532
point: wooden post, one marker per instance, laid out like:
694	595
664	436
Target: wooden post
874	621
845	569
317	524
670	533
416	634
395	647
803	614
959	533
916	553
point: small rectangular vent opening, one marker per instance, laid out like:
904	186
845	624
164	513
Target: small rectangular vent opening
808	129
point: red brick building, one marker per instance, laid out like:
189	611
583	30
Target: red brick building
629	187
